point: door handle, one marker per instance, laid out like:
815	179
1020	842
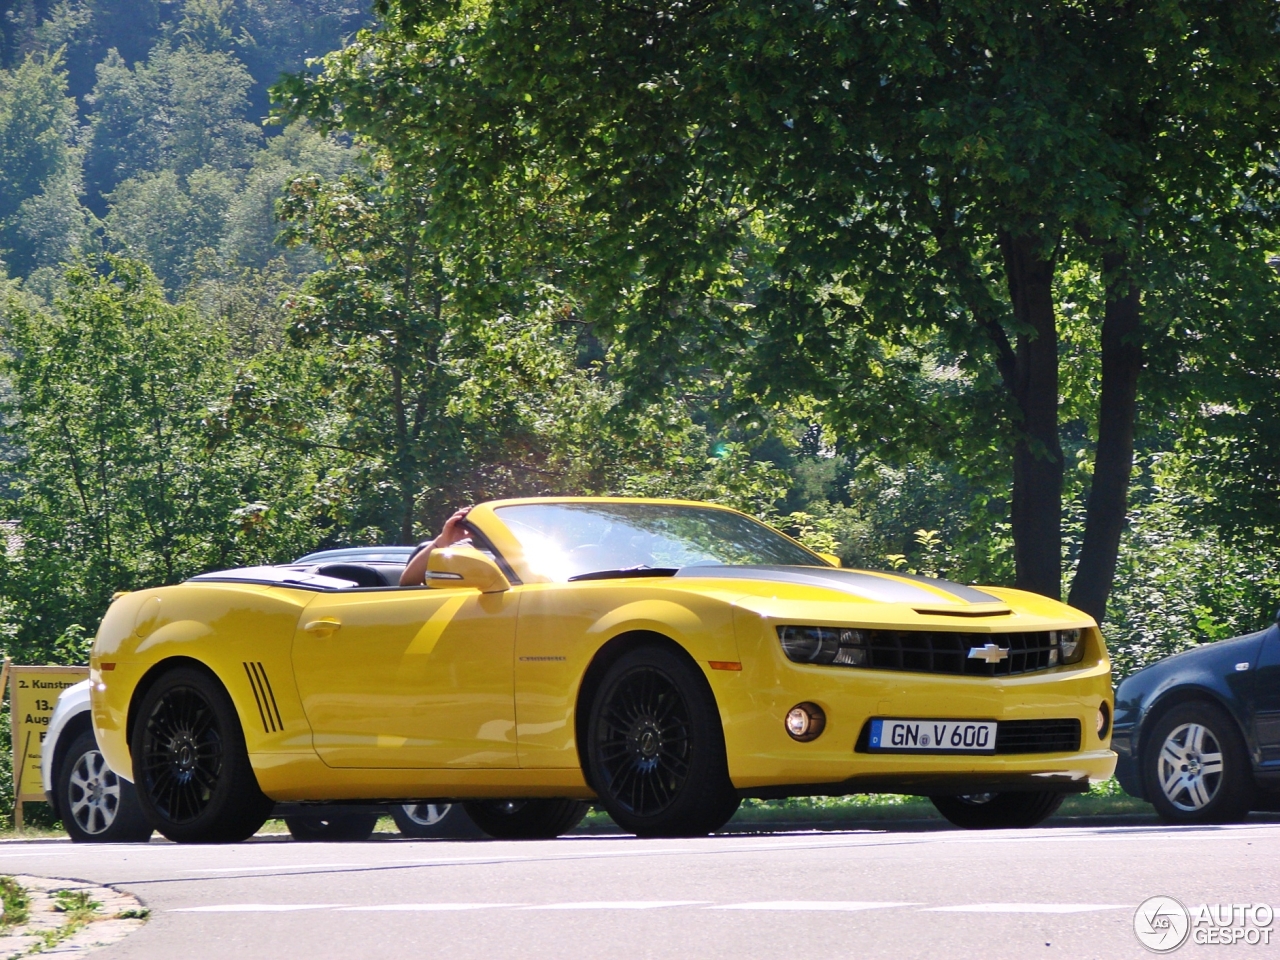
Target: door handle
322	628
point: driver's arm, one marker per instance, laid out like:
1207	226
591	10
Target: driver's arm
415	571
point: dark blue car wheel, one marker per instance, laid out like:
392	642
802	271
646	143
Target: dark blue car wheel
1195	766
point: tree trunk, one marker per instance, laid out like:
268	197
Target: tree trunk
1037	455
1117	413
402	458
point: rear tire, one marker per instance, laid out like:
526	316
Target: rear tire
526	819
993	811
349	828
96	806
655	749
434	821
195	784
1195	766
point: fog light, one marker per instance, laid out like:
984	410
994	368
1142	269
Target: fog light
805	721
1104	719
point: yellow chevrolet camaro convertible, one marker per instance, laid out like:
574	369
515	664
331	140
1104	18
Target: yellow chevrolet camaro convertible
661	658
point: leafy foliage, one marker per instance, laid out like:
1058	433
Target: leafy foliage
122	483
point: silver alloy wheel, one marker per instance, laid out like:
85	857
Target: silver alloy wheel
94	793
427	814
1190	767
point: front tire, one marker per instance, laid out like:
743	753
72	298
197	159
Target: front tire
97	806
526	819
993	811
655	749
1195	768
318	828
195	784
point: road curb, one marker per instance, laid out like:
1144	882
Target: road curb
119	914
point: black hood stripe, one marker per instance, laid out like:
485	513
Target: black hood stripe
868	586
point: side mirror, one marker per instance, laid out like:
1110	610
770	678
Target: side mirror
465	567
831	558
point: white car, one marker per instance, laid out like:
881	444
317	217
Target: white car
96	806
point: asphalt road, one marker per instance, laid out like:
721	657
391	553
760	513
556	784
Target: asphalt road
1053	892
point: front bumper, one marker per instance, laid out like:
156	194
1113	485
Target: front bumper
765	762
1127	770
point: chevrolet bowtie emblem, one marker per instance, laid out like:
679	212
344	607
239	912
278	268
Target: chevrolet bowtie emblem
990	653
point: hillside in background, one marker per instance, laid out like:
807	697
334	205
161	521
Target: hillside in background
136	125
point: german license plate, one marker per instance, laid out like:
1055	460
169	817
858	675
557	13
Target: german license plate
934	736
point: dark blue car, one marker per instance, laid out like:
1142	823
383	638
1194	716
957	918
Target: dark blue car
1198	734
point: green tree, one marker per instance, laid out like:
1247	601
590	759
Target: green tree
36	118
158	218
426	388
252	225
51	227
802	184
183	109
123	478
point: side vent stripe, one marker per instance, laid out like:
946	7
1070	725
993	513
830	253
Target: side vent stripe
266	682
253	683
264	697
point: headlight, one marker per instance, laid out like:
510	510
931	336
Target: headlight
1071	644
825	645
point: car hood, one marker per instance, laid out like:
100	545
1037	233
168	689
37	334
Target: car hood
862	584
831	595
1212	656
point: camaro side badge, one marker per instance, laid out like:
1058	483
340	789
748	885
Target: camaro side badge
990	653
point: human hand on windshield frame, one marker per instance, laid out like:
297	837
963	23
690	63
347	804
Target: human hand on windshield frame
455	529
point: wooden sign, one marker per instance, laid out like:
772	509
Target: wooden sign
33	692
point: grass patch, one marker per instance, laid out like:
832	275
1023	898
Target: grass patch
47	919
79	907
1103	799
858	806
17	904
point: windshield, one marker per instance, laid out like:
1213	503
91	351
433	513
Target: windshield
565	540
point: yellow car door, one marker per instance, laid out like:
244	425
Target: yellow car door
412	677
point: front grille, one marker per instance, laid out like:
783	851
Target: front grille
935	651
1038	736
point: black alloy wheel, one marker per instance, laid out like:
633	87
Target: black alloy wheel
195	784
655	749
1195	766
526	819
94	804
993	811
182	755
317	828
